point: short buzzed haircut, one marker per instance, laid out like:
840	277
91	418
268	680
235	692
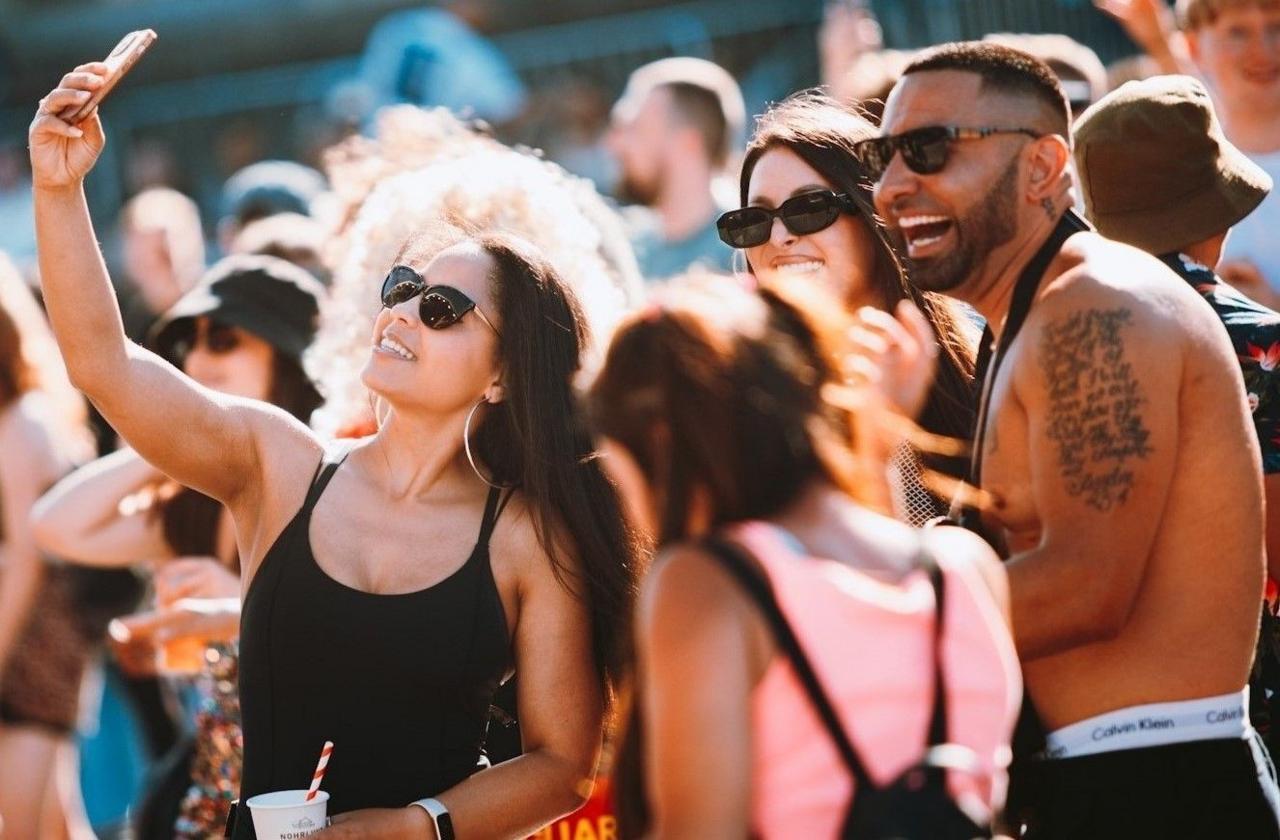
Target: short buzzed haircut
699	107
704	96
1005	70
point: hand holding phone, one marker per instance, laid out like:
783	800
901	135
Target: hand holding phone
121	60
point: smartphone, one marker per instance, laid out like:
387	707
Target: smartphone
120	61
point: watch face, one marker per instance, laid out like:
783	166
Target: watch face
444	827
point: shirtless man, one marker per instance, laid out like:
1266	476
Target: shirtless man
1118	459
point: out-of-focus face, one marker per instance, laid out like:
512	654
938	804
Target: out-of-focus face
419	369
638	138
949	222
230	360
1239	53
149	264
842	257
637	496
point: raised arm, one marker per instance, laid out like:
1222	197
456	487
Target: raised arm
101	514
1099	380
202	439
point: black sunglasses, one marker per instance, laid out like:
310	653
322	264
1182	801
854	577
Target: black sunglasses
803	214
440	307
218	339
924	150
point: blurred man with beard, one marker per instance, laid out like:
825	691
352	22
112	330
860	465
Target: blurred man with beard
672	133
1116	458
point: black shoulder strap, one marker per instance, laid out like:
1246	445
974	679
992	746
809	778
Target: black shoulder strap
324	473
491	513
991	355
938	720
735	561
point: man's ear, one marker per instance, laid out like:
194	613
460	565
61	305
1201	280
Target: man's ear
1049	163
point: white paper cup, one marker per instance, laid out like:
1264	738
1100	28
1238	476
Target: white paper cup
286	815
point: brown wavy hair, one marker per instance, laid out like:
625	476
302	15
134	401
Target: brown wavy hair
718	391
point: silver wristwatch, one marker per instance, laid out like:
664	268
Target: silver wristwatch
439	815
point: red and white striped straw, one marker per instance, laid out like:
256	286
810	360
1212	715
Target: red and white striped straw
320	768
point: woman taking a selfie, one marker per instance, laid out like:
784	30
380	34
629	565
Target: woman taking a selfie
389	587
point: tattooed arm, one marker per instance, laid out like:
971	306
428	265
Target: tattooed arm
1099	380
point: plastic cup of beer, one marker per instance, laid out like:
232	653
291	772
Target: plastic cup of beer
287	815
181	655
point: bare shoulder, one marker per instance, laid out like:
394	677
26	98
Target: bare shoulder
1110	304
516	543
28	442
1098	273
687	588
287	455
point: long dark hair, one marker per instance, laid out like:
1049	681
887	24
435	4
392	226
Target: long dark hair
537	439
189	519
718	393
823	133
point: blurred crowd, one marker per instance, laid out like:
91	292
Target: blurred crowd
736	403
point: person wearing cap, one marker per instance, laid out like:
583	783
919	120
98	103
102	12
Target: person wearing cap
1233	46
264	189
242	331
1158	173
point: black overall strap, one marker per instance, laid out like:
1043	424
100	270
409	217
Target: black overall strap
490	518
938	720
735	561
990	354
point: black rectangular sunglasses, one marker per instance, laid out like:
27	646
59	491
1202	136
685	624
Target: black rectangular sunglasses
440	307
803	214
925	150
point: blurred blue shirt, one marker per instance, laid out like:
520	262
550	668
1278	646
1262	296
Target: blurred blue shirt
431	57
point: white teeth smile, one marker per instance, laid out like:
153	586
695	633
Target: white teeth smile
923	231
807	267
392	346
917	221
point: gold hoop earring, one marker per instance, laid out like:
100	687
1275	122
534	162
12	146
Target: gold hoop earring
466	446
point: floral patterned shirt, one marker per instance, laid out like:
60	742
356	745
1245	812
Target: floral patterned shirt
1255	334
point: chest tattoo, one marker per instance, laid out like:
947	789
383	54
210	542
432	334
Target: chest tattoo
1095	405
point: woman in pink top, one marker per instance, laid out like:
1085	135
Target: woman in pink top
712	417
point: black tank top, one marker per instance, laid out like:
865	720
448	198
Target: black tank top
400	683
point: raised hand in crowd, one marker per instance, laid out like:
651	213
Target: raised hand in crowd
849	30
895	355
1151	25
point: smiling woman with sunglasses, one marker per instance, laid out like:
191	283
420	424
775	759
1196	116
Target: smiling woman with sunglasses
389	588
807	213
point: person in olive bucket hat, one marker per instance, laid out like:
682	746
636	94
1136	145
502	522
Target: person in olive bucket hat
268	297
1158	174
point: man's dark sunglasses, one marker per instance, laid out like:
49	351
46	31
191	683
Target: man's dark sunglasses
924	150
803	214
440	307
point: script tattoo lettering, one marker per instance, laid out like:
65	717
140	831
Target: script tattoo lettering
1095	405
